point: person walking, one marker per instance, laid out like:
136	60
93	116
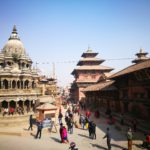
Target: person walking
39	130
82	121
60	131
60	116
64	135
93	130
129	138
108	136
30	123
90	128
70	125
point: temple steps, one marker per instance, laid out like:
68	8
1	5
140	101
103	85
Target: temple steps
14	121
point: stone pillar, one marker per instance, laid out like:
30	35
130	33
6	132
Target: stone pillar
8	105
2	85
20	84
30	84
24	84
30	66
16	106
10	84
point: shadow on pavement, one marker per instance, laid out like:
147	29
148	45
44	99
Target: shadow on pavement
56	140
98	146
116	134
32	135
118	146
140	146
83	135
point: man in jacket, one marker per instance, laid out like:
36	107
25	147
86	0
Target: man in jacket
108	136
39	130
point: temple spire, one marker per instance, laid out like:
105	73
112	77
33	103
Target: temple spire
141	50
141	56
89	49
14	34
14	30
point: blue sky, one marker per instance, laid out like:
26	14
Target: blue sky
60	31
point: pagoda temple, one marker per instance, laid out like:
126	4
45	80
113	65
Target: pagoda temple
141	56
88	72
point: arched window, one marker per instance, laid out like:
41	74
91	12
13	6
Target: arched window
18	84
9	63
26	84
4	104
13	84
20	103
12	104
5	83
27	65
27	103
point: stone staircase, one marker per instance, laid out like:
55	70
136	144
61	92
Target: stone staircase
13	121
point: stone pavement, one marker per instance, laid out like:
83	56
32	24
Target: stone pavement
51	141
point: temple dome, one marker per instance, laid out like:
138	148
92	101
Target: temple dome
13	45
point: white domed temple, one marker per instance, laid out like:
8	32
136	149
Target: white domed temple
18	81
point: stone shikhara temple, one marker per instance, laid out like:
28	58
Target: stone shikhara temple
18	81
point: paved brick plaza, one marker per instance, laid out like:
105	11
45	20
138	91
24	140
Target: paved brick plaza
51	141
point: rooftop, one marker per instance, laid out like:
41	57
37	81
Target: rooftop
100	86
132	68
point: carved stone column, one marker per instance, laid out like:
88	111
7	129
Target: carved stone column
10	84
8	105
2	85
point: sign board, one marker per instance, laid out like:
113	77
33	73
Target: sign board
47	123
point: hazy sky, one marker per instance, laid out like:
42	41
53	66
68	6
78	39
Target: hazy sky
60	31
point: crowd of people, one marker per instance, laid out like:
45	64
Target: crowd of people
11	110
86	123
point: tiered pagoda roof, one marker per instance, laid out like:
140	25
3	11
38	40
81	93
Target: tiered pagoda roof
141	56
89	53
90	62
142	62
88	59
105	85
132	68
